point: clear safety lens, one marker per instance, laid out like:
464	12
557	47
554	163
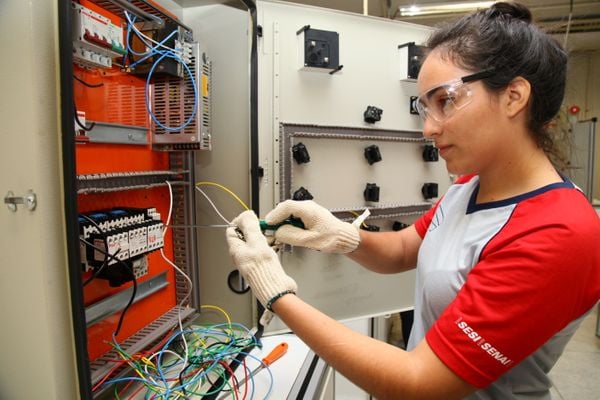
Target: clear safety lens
442	101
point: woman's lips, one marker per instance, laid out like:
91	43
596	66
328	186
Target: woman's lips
443	149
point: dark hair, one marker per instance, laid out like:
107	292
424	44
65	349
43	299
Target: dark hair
502	37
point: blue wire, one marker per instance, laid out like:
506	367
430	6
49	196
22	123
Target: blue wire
227	352
154	51
215	362
191	118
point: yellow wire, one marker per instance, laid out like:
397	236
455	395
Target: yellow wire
225	189
131	364
358	215
220	310
148	380
147	362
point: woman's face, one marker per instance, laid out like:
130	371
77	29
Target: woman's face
462	118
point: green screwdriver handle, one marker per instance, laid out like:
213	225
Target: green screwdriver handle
297	222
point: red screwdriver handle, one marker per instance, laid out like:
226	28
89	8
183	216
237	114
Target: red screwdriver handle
275	354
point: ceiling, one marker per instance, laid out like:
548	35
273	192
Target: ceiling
552	15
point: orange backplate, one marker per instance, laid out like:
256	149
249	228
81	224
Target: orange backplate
148	309
120	99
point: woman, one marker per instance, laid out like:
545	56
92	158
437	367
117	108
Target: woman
507	261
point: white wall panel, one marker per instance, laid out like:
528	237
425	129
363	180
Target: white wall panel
338	172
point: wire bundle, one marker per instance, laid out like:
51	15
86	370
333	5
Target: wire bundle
158	51
167	373
189	360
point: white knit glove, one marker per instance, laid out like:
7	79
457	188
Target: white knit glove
323	231
256	261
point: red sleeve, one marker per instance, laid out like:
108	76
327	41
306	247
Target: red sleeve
535	277
422	224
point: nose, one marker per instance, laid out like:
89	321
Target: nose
431	127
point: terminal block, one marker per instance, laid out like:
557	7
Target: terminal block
121	237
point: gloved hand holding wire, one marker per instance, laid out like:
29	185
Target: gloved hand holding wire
323	231
256	261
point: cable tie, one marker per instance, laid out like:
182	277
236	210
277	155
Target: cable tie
361	218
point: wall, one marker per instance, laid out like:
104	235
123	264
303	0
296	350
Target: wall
583	89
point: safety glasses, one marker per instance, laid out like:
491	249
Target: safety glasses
441	102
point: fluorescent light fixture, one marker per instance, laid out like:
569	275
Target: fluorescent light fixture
442	8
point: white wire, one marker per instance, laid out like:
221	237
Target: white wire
181	272
213	206
155	355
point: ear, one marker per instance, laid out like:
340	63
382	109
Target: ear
517	95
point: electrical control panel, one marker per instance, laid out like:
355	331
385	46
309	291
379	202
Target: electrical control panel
142	109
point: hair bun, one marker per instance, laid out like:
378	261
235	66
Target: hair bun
514	10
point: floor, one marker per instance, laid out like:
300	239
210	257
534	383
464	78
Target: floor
576	375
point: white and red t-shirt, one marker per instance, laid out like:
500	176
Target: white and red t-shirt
502	286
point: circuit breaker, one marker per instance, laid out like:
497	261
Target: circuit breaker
96	39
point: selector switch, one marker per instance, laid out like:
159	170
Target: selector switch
429	190
398	226
372	114
302	194
300	153
371	192
430	153
372	154
370	228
